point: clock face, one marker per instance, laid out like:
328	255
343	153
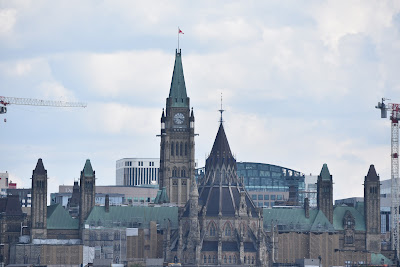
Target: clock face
179	118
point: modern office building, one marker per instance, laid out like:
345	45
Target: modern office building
25	195
137	171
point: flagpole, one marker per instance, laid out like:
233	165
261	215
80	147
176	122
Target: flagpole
178	39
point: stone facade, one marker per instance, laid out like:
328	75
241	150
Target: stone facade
39	202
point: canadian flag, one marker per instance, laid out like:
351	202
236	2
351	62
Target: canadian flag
179	31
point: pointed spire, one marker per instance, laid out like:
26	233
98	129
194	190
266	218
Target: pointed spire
39	170
325	174
177	93
221	144
372	175
88	170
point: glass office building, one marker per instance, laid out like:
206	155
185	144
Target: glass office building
268	181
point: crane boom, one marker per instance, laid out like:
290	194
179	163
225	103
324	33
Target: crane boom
4	101
394	192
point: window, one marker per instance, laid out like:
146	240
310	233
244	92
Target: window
186	149
254	197
225	259
212	230
177	149
266	197
214	258
230	259
279	197
205	259
228	230
234	259
260	197
209	258
272	197
260	204
172	148
266	204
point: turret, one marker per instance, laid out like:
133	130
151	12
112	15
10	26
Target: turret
39	201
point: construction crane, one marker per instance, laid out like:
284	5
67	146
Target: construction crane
5	101
394	192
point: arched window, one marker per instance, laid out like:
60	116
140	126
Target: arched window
212	229
186	149
230	259
252	260
177	149
214	259
181	150
234	259
228	230
209	258
205	259
172	148
244	261
225	259
174	172
183	173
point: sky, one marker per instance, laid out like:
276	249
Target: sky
300	81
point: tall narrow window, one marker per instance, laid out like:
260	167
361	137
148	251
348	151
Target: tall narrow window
172	148
177	149
186	149
181	150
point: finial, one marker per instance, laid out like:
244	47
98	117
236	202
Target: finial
221	110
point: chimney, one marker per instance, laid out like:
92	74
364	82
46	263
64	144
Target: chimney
307	207
107	204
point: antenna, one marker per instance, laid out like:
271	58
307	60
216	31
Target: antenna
221	110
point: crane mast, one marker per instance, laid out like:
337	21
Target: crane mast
394	190
5	101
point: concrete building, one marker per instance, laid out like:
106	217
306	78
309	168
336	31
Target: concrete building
131	195
3	183
137	171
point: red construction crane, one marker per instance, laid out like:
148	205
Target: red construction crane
5	101
394	192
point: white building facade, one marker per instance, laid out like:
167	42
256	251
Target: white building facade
137	171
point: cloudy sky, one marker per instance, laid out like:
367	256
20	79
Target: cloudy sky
300	80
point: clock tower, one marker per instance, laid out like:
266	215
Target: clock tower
177	163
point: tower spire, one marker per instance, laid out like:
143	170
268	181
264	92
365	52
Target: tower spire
221	111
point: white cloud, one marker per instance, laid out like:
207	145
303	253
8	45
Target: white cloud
8	18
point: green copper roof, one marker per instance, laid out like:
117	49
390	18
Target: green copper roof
379	259
59	218
340	211
88	170
162	196
294	219
325	175
125	215
177	92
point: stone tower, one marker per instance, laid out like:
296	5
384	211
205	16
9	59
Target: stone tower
87	192
39	202
372	210
177	139
325	193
